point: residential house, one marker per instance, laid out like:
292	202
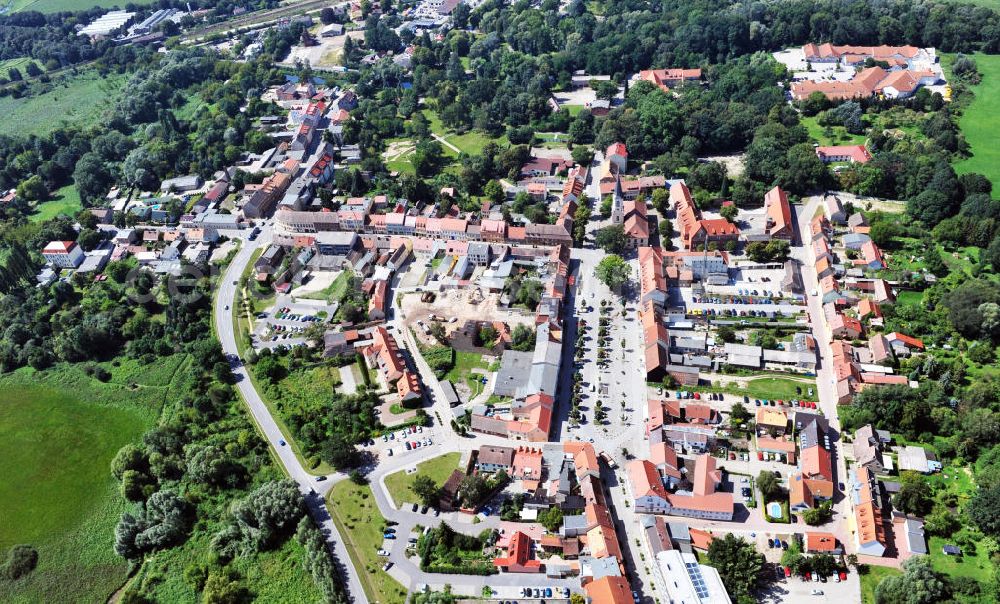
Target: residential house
867	523
63	254
609	590
636	224
648	493
181	184
881	352
665	79
652	278
779	223
854	154
703	501
519	558
904	345
408	387
834	209
771	420
872	255
822	543
917	459
868	449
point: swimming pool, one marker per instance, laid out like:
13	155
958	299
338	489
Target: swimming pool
774	509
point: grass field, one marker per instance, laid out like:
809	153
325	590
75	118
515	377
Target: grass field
465	362
979	122
64	201
872	578
59	430
333	292
78	100
55	6
769	388
840	134
360	523
976	567
909	298
20	63
471	142
438	469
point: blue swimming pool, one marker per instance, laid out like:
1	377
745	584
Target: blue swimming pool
774	509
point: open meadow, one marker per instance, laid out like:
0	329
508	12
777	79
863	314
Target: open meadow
79	100
64	201
981	122
55	6
59	430
352	507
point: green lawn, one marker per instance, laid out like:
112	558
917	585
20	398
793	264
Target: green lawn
465	362
872	578
471	142
20	63
977	568
778	388
840	134
909	298
438	469
79	100
574	110
770	388
360	523
333	292
59	430
64	201
979	121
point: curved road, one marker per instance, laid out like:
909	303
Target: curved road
313	491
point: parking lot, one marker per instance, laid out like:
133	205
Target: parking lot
405	440
284	323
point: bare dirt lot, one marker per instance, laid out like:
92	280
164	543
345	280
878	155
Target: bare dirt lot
324	55
462	305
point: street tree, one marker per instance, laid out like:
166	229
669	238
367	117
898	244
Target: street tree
613	271
612	239
768	485
740	566
424	488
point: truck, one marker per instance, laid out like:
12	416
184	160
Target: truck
608	460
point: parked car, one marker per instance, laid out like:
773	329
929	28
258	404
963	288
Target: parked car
382	552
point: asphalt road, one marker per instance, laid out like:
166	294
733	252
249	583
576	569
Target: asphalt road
308	485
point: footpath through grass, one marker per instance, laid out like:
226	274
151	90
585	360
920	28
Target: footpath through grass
400	484
980	123
360	523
